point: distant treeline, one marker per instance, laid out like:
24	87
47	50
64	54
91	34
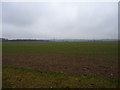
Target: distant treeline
55	40
15	40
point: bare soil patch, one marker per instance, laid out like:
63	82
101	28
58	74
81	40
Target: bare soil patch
77	65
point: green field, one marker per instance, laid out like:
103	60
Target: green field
63	64
52	48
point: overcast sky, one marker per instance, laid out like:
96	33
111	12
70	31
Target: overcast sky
60	20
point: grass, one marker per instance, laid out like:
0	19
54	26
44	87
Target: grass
14	77
103	48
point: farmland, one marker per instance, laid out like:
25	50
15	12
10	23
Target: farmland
92	64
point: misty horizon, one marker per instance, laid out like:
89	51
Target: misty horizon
53	39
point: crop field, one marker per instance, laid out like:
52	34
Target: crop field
60	64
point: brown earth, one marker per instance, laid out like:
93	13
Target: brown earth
77	65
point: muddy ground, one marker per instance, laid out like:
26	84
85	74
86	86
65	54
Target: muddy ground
76	65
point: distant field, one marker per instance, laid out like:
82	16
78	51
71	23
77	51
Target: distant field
97	59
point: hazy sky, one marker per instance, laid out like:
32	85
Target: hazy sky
60	20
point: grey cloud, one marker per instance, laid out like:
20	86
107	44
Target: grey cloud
0	19
61	20
20	13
